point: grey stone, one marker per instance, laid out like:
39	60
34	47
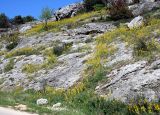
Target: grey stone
139	9
56	105
123	53
67	74
136	22
92	28
42	101
68	11
131	81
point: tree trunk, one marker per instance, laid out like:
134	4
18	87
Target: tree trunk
46	25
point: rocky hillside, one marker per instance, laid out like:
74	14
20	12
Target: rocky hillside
87	64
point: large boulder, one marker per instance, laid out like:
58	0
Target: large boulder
133	80
92	28
68	11
42	101
136	22
139	9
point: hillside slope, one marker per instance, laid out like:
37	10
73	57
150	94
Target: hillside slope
85	65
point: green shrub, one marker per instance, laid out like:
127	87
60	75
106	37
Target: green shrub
60	48
30	68
29	19
119	10
98	7
90	4
143	47
23	51
141	106
50	61
4	21
12	40
46	15
17	20
12	37
11	46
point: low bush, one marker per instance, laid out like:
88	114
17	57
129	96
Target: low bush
4	21
50	61
141	106
11	39
60	48
119	10
92	4
144	48
28	19
17	20
23	51
98	7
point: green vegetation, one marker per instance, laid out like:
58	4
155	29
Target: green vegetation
12	40
22	51
70	22
3	52
140	39
30	68
4	21
93	4
50	61
81	99
119	10
60	48
9	65
46	15
29	19
17	20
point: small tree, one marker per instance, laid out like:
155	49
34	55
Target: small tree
4	22
29	19
46	15
18	20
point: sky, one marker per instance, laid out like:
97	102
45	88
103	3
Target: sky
30	7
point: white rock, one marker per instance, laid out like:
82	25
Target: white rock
25	28
143	1
136	22
57	105
42	101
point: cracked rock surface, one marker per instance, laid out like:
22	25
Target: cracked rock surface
132	80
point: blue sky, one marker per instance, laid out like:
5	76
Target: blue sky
30	7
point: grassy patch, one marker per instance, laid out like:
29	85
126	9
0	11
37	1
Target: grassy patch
23	51
142	40
30	68
49	62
